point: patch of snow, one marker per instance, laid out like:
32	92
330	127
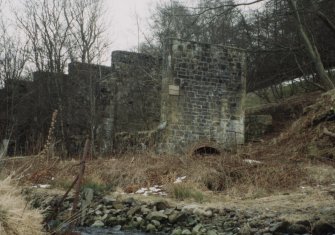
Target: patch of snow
42	186
179	179
250	161
155	190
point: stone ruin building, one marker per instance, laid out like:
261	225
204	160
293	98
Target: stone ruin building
191	97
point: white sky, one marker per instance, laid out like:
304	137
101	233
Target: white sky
123	26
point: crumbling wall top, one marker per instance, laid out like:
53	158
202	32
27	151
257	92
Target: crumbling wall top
126	57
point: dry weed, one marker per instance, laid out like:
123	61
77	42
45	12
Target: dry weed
320	175
183	191
15	218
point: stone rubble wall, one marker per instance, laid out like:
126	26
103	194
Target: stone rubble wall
89	107
198	97
126	214
203	88
138	91
135	141
26	107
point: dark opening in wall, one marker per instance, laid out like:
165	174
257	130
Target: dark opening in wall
206	150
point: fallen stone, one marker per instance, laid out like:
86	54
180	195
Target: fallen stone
98	224
151	228
281	227
306	223
98	212
196	229
322	228
186	232
191	221
156	215
297	229
104	217
108	200
199	211
118	206
176	231
130	201
117	228
145	210
189	208
161	205
169	211
133	211
156	223
177	217
212	232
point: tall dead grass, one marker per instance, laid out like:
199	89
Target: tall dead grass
227	173
15	217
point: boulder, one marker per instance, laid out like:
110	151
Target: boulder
212	232
176	231
108	200
323	228
133	211
98	223
297	229
176	217
196	229
161	205
151	228
281	227
118	205
156	215
186	232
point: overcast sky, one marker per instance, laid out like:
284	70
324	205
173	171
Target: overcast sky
121	19
123	27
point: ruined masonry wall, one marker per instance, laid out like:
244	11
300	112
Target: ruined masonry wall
137	101
89	107
203	88
194	96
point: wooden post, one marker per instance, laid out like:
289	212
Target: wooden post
79	181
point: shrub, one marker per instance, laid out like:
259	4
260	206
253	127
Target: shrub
182	191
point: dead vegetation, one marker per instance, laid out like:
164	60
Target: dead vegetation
301	155
225	173
15	217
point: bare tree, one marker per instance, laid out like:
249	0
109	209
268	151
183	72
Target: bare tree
311	48
44	25
60	31
88	32
13	55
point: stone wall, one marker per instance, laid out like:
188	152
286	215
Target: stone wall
26	108
203	87
194	96
138	91
90	106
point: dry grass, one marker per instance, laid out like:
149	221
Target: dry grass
224	173
184	191
284	161
15	218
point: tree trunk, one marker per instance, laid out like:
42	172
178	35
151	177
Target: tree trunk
312	51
